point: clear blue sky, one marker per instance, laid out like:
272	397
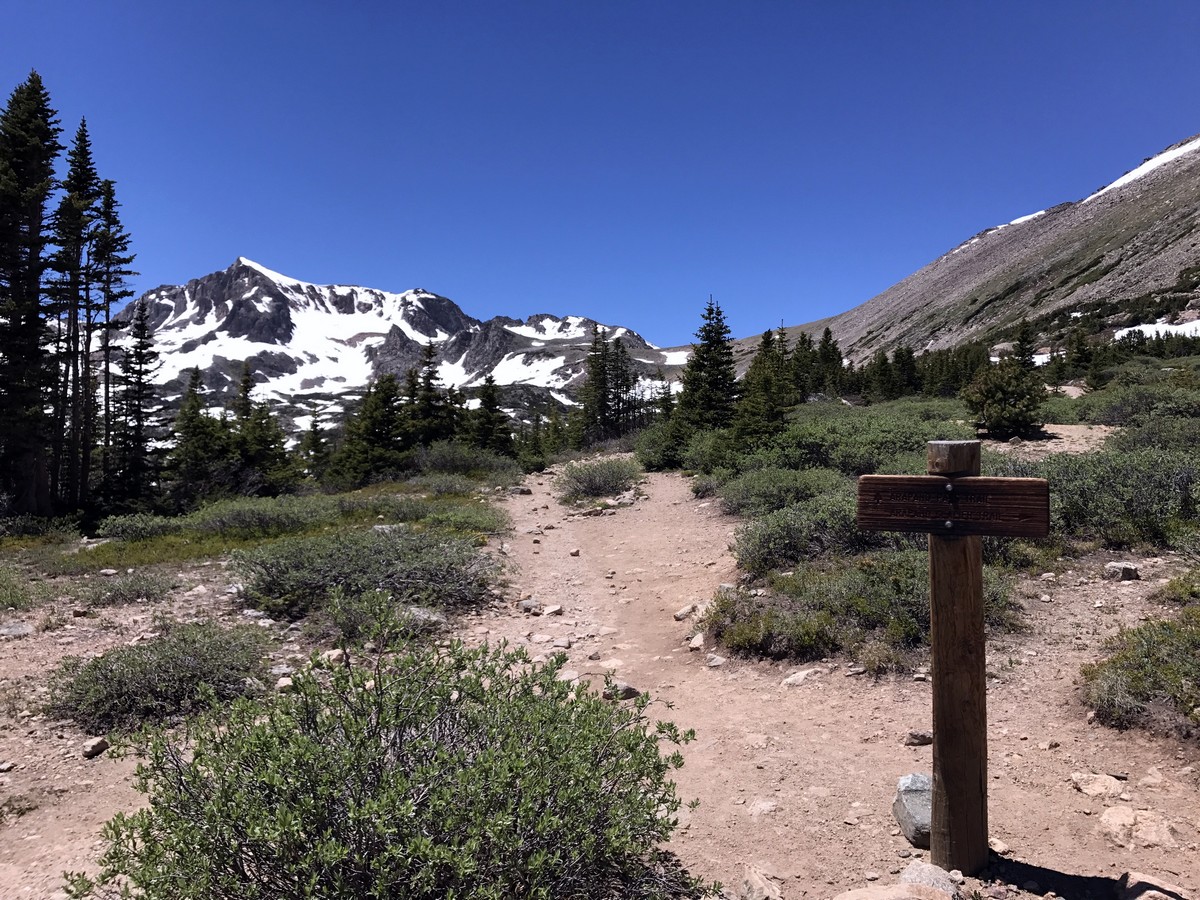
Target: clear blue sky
620	159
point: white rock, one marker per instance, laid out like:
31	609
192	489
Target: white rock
800	677
94	747
685	611
697	642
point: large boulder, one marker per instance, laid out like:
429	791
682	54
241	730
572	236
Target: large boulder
913	808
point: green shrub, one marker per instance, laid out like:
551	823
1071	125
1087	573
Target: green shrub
295	575
1122	498
260	517
375	616
1140	404
1172	433
711	450
704	486
137	587
1006	399
468	519
601	478
55	529
876	605
137	527
765	490
1060	410
454	458
469	773
157	679
1154	664
444	485
793	534
660	446
17	592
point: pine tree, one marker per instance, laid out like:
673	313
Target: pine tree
314	451
488	427
71	289
378	434
710	391
202	463
28	148
766	392
804	366
434	414
110	261
830	370
132	467
1025	346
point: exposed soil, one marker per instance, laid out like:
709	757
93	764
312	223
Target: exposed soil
798	781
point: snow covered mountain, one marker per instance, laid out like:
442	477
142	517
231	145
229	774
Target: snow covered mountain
312	347
1126	256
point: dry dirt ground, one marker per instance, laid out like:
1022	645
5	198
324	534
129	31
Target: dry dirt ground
797	781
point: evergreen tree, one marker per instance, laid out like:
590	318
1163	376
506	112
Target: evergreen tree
378	435
829	374
132	468
110	261
488	426
434	412
709	392
28	148
202	464
314	451
881	381
1025	346
904	365
766	391
803	366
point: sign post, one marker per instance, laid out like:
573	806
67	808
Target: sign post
955	506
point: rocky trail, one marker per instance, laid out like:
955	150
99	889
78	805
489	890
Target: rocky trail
795	782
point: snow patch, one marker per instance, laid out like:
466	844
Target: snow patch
1149	166
1162	329
675	357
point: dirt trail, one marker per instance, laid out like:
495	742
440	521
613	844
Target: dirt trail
800	780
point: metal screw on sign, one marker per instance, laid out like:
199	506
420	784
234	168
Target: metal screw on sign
953	498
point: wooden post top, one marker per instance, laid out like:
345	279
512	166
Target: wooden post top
953	457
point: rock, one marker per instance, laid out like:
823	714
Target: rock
685	611
594	655
552	611
540	639
918	739
7	767
424	616
564	643
895	892
1138	828
1094	785
1122	571
757	885
531	606
1136	886
921	872
281	669
283	684
16	629
763	807
697	642
575	551
521	491
109	573
998	846
94	747
79	612
620	690
800	677
713	661
334	657
913	808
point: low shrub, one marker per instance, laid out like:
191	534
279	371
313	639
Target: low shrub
601	478
876	607
1158	434
465	773
261	517
454	458
444	485
1151	670
1139	404
704	486
660	446
825	524
137	527
17	592
137	587
295	575
178	672
374	616
1006	399
468	519
765	490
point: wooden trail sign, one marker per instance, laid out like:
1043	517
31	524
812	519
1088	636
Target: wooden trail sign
955	507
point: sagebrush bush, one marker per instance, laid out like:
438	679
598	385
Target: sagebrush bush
469	773
156	679
293	576
600	478
825	524
765	490
455	458
17	592
444	485
874	606
1156	663
135	587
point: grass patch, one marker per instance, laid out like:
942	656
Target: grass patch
179	672
1151	676
874	607
18	593
602	478
137	587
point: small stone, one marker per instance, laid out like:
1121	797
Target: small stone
1049	745
7	766
956	876
594	655
1136	886
283	684
923	873
334	657
998	846
530	606
1046	598
575	551
620	690
109	573
564	643
79	612
540	638
713	660
871	876
918	739
552	611
913	808
1093	785
802	676
697	642
94	747
1122	571
685	611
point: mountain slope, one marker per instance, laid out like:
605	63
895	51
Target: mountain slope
1130	252
313	346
